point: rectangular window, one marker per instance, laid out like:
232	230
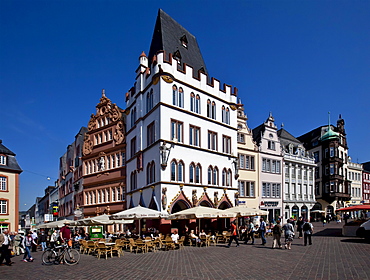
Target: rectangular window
226	144
212	140
332	169
247	162
264	164
2	160
273	166
268	165
241	161
133	146
3	207
150	133
252	163
331	151
316	156
242	188
194	135
3	184
177	131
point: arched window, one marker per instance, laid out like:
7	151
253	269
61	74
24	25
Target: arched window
210	171
191	173
213	110
149	101
197	104
223	114
181	98
150	173
227	115
209	108
174	95
180	172
192	102
228	178
215	176
224	177
197	174
133	182
173	170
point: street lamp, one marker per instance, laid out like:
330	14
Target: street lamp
165	152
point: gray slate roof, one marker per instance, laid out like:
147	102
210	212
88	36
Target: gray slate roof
167	37
11	162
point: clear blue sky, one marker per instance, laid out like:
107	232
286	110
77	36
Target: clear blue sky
297	59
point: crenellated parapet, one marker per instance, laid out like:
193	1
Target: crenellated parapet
166	67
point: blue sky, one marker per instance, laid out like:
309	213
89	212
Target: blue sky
297	59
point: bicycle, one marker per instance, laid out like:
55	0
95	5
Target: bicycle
55	256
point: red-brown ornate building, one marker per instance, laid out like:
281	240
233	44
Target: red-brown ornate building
104	170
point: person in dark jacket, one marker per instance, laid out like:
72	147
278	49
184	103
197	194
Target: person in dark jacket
300	223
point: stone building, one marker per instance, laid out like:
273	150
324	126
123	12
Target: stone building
270	166
366	183
248	162
181	127
328	144
298	177
9	189
104	161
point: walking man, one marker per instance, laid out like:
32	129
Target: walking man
276	231
307	231
262	230
5	247
234	234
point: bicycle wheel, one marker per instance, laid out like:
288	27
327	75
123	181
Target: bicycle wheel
49	257
72	256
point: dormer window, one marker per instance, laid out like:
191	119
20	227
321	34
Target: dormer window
2	160
177	56
184	41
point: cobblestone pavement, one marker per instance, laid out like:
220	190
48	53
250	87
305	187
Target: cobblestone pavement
330	257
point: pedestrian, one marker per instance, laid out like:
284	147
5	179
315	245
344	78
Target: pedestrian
250	232
17	243
300	223
307	230
54	238
65	233
276	233
234	234
5	248
27	243
289	234
262	231
323	220
34	244
42	239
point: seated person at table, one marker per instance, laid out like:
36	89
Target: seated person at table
193	237
202	233
175	236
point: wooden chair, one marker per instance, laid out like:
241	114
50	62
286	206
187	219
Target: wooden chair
140	245
203	241
118	248
212	240
104	250
150	246
180	242
132	244
90	247
168	243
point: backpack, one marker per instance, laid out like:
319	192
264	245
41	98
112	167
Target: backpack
306	227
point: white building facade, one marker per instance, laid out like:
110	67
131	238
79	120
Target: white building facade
270	164
298	177
181	131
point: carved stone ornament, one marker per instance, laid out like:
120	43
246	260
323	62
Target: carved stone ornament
92	123
87	146
115	113
194	197
164	198
215	200
118	134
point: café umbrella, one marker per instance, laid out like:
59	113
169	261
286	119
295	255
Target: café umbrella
138	213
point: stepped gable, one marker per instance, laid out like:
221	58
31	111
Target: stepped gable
169	36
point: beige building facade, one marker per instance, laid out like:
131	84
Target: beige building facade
9	189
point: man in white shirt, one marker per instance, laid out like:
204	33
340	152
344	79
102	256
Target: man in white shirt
5	248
